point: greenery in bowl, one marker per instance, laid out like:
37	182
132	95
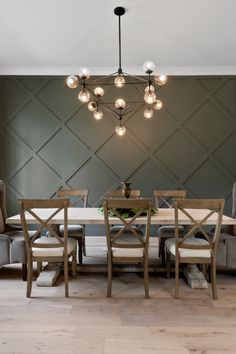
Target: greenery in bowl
128	213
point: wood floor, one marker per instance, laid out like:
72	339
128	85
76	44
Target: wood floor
89	323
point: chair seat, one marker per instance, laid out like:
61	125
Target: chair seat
116	228
124	252
185	252
73	230
167	231
53	252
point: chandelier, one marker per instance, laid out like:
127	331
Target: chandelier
93	91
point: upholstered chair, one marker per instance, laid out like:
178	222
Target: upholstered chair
12	243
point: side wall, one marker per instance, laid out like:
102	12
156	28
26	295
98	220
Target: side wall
49	140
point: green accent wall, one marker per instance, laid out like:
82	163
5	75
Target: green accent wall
49	140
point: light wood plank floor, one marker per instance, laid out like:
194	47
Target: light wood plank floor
89	323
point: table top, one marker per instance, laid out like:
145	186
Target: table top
164	216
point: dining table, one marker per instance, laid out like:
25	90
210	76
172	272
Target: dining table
93	216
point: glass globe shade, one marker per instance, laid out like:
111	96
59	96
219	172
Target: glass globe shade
84	73
150	97
92	106
148	67
98	91
148	113
98	115
160	79
157	105
84	95
149	88
72	81
120	130
120	103
119	81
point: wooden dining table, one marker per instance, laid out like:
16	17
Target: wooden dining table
92	216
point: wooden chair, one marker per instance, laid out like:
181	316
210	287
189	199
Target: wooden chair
117	193
78	198
123	247
190	249
41	248
165	199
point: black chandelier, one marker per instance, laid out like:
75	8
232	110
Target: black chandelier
94	94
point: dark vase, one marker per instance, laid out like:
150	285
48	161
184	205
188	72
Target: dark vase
126	190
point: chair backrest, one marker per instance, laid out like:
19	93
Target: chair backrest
166	198
77	197
34	209
3	213
119	208
118	193
208	209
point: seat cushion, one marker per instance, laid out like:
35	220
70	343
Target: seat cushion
116	228
167	231
127	252
53	252
73	230
17	248
184	252
4	250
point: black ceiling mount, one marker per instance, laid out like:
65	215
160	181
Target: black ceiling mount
119	11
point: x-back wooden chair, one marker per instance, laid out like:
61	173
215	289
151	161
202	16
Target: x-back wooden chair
78	198
127	247
166	199
41	248
189	249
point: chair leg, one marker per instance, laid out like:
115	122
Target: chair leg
162	251
24	271
146	283
29	278
109	276
84	245
39	267
80	250
213	279
74	264
176	278
167	265
66	277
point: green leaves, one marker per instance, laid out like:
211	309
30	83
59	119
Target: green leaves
128	213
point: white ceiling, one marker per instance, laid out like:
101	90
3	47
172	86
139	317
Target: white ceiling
57	37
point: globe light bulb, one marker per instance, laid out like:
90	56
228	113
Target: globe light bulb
120	130
72	81
160	80
120	103
157	105
84	74
98	115
148	67
84	95
148	113
149	97
92	106
98	91
119	81
149	88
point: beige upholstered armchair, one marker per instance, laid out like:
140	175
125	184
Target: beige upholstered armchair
12	244
226	255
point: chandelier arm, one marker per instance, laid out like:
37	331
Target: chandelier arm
139	79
